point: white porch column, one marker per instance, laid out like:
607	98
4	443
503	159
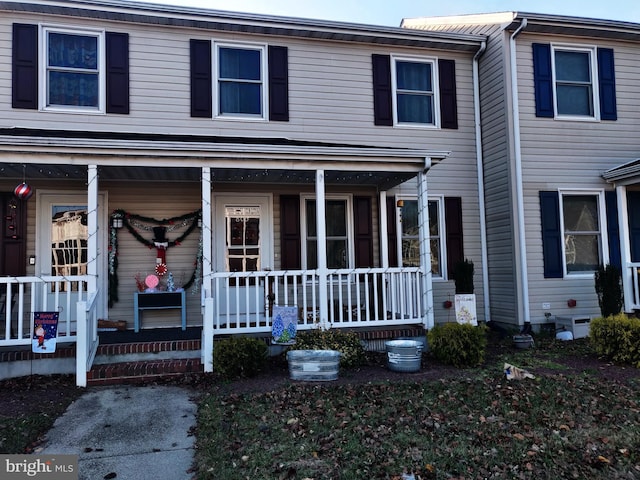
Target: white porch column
625	248
384	229
207	269
425	249
321	236
92	227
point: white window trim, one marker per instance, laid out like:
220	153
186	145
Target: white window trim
263	74
441	233
602	223
436	91
595	92
43	93
351	261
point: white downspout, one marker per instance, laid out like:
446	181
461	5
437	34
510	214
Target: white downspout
480	170
518	165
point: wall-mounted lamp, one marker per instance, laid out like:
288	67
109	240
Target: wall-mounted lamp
117	222
199	222
400	203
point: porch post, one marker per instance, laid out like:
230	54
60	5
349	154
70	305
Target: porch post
92	227
321	236
384	229
625	248
207	268
425	249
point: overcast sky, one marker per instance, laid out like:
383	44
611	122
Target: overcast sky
391	12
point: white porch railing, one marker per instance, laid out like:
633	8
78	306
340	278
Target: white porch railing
21	296
241	302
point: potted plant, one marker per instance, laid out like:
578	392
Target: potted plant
319	353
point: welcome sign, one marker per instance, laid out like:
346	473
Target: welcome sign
45	332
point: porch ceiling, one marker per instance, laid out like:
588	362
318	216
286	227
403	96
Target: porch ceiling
32	172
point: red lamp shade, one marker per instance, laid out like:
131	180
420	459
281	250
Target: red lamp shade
23	191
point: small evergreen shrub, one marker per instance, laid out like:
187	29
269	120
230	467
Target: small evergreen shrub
609	289
617	337
460	345
347	343
235	357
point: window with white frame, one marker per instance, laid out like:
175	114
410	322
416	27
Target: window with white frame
574	73
73	69
240	76
338	226
582	220
415	91
410	239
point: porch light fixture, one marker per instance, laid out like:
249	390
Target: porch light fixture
400	203
117	222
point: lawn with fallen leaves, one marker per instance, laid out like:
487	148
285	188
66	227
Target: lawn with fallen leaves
566	423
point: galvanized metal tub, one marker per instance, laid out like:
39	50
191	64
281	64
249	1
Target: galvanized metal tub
404	355
313	365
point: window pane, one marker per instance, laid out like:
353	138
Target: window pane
410	252
573	66
73	51
69	237
580	213
240	98
582	253
311	218
410	217
414	76
336	218
435	257
240	64
312	254
415	108
434	229
336	253
77	89
574	100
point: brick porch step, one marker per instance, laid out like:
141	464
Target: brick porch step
142	371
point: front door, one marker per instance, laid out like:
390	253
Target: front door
242	243
61	243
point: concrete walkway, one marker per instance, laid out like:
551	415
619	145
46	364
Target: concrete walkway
128	433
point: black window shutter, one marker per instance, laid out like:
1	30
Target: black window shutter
613	232
24	72
363	231
448	101
392	233
201	79
551	234
542	79
382	102
278	84
117	57
290	238
607	84
454	238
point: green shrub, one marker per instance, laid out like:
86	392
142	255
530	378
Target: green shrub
460	345
235	357
617	337
347	343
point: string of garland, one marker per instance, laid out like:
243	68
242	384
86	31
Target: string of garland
190	219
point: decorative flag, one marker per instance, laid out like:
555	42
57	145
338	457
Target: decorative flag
45	332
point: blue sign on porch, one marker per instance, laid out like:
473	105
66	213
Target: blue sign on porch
45	332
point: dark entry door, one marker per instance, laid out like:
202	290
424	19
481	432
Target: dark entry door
13	260
633	207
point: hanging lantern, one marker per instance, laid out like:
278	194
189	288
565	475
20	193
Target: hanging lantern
23	191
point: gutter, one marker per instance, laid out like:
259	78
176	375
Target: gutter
480	170
518	167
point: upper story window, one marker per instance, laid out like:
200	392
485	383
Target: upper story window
574	80
73	70
415	92
240	77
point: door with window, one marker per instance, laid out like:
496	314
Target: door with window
242	243
62	246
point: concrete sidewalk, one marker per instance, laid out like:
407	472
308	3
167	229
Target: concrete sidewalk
128	433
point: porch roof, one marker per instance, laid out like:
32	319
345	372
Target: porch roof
625	174
62	154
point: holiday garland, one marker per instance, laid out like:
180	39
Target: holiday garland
131	221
